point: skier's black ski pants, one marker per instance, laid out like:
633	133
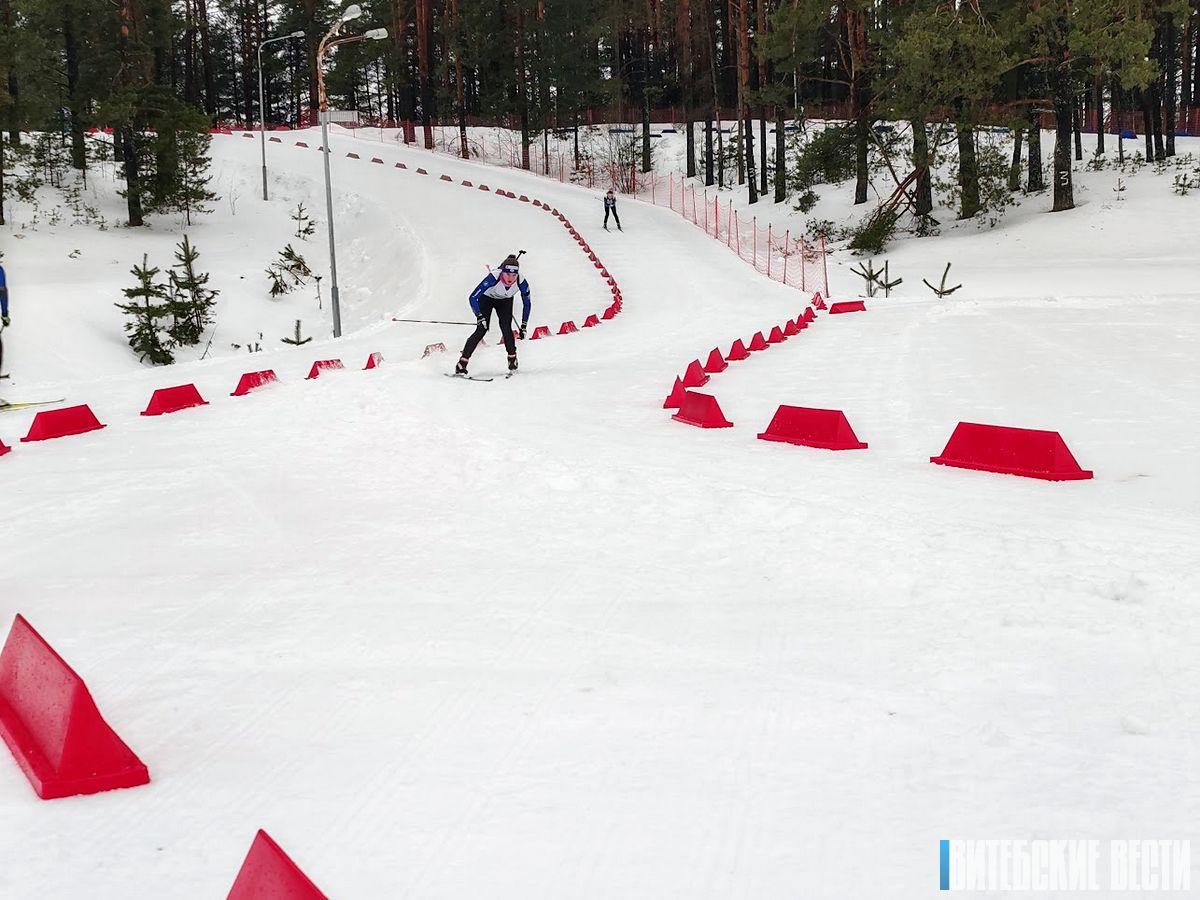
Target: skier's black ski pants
504	321
612	210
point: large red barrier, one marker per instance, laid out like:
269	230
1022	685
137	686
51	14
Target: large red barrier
817	301
251	381
567	328
4	448
374	361
847	306
173	399
268	873
695	376
542	331
809	315
827	429
791	329
50	723
702	411
737	352
715	362
758	342
776	336
609	313
675	398
323	365
1011	451
591	321
56	423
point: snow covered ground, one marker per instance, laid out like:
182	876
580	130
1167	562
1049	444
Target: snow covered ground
532	638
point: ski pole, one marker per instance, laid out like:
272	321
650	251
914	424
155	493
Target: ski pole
433	322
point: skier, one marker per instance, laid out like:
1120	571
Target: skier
610	206
497	292
3	298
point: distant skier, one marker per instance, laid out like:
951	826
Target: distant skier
610	206
497	292
4	320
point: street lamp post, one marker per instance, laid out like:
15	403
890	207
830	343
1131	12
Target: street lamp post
262	109
353	11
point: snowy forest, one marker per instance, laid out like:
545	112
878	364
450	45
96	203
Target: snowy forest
156	71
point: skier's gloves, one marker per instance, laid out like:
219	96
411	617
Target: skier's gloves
482	322
524	326
6	321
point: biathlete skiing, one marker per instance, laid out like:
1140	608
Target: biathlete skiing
496	293
610	206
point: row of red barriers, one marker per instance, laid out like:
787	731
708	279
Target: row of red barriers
1002	449
72	420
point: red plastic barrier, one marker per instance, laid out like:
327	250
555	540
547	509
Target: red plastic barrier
322	365
702	411
598	265
301	144
791	329
269	874
377	160
776	336
591	321
421	172
827	429
542	331
716	362
567	328
847	306
374	361
439	347
510	195
275	140
467	183
52	726
522	198
809	315
401	166
675	398
254	380
173	399
352	156
56	423
695	376
737	352
446	178
817	302
1011	451
609	313
537	203
248	136
484	187
4	448
501	192
758	342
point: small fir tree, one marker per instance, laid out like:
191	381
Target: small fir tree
192	194
192	301
305	227
148	308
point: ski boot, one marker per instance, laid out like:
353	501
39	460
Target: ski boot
512	362
461	367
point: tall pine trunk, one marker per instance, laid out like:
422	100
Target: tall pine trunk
1064	104
71	53
683	28
423	26
923	187
780	156
1171	60
1014	169
968	171
1098	103
708	151
1034	182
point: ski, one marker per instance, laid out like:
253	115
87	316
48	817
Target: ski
467	377
5	405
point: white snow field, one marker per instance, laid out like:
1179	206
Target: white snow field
533	638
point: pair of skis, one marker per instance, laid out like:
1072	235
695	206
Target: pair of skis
5	406
507	375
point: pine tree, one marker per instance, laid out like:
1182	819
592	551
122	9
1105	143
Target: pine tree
305	227
192	301
192	194
148	308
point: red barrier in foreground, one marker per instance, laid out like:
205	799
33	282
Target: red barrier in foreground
1011	451
610	312
737	352
252	381
758	342
567	328
675	398
439	347
827	429
323	365
791	329
809	315
817	302
173	399
716	362
591	321
702	411
52	726
847	306
542	331
374	361
4	448
56	423
776	336
268	873
695	376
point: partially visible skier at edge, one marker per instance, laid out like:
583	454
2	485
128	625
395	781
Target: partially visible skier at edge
497	292
610	206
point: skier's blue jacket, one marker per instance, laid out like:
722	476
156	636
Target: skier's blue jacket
492	287
3	294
